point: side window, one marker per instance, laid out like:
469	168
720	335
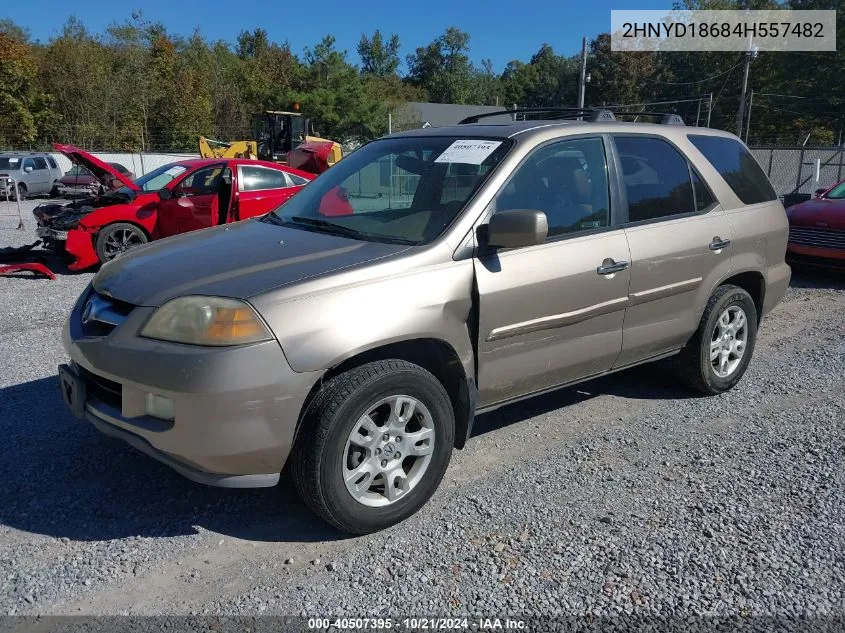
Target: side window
656	177
704	200
737	166
40	163
28	162
260	178
201	182
566	180
52	162
297	180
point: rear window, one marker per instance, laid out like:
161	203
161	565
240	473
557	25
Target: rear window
737	166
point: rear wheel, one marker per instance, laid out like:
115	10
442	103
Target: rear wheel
54	192
716	357
116	239
374	447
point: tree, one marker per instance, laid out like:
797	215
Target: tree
443	68
22	104
379	58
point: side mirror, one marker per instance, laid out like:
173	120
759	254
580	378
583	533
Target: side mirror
819	192
520	227
165	194
27	169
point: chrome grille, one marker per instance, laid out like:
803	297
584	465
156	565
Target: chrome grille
101	314
816	237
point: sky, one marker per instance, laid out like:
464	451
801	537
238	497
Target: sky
500	30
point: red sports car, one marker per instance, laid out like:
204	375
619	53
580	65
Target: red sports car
175	198
817	229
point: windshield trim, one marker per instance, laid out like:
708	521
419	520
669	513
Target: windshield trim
507	146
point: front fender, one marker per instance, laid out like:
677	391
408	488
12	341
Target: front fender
144	216
319	331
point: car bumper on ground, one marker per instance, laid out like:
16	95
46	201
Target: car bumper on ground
234	409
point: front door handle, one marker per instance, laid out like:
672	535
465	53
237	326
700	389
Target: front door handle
718	244
610	267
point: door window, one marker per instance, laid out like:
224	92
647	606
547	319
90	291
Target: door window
28	162
40	163
203	181
656	178
261	178
566	180
52	162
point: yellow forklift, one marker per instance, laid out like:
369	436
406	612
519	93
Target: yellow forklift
276	135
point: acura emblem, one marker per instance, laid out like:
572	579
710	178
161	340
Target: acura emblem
88	311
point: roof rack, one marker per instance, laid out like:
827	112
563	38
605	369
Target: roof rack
587	114
665	118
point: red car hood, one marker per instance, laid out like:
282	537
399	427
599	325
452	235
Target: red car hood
819	212
105	173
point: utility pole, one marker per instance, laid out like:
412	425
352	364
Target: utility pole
709	109
740	115
583	83
748	122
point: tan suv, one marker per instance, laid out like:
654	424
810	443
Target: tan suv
431	275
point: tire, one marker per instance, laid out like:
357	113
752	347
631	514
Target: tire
694	365
22	192
324	453
54	192
115	239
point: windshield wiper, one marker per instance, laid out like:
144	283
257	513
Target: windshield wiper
339	229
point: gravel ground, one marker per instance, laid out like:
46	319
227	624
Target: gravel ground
624	495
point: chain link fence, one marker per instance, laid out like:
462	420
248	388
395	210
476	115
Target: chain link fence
792	170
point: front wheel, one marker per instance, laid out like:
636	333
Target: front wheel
116	239
716	357
375	445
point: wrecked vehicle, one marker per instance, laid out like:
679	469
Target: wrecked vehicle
79	181
175	198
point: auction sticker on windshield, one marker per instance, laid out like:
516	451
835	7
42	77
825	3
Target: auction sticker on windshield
468	152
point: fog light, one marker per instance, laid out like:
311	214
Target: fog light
159	406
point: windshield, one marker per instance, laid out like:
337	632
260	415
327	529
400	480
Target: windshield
78	170
158	178
7	162
837	192
396	189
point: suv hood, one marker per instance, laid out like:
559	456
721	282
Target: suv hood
235	260
103	172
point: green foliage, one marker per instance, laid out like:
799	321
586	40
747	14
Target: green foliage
378	57
136	86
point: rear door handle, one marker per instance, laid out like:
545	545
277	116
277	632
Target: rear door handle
718	244
609	267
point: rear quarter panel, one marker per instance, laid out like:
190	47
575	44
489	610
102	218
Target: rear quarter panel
252	203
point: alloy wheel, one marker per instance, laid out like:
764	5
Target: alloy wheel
120	241
388	451
729	341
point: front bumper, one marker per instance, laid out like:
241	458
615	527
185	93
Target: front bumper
77	190
235	409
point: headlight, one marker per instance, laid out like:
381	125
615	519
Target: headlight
206	321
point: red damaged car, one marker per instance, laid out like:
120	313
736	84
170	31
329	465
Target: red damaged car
175	198
817	229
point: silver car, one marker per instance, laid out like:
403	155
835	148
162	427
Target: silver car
25	174
356	331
